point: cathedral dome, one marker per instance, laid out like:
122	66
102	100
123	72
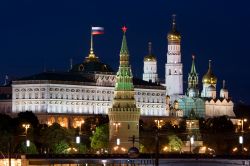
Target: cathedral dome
174	35
211	88
209	77
91	65
150	57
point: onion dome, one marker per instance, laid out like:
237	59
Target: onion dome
174	35
193	92
211	88
209	77
150	57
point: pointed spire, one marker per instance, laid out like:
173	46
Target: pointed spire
149	48
224	84
91	52
193	69
210	66
124	48
91	44
71	63
173	24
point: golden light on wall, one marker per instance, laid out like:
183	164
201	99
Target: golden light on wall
77	122
63	121
51	120
14	162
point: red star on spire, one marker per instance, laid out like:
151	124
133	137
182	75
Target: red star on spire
124	29
193	56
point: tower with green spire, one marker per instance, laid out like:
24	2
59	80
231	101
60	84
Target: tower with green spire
193	81
123	115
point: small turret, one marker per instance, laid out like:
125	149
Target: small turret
224	91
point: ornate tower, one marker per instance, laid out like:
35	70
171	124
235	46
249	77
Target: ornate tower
209	81
150	66
123	116
193	81
173	67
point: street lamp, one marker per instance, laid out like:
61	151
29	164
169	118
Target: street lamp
78	141
26	126
27	143
158	125
80	125
117	125
241	142
191	143
241	121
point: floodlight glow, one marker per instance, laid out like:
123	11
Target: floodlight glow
192	140
28	143
241	139
78	140
118	141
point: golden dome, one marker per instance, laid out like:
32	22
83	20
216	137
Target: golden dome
174	35
150	57
209	77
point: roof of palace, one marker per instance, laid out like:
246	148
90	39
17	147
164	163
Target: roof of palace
77	77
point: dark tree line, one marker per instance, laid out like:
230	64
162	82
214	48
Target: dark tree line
43	138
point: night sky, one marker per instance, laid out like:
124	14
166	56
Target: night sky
39	34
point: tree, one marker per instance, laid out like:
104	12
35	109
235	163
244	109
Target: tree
175	143
56	138
100	138
6	132
219	124
60	147
92	122
28	117
22	148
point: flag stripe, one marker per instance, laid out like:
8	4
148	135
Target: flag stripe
97	29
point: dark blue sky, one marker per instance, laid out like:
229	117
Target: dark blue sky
34	34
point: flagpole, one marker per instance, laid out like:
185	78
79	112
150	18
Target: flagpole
91	42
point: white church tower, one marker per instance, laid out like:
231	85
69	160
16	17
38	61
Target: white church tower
173	67
150	66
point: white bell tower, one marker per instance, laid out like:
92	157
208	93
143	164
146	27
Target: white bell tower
173	67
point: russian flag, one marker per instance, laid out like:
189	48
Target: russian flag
97	30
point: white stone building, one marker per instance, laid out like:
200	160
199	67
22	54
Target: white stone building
79	93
